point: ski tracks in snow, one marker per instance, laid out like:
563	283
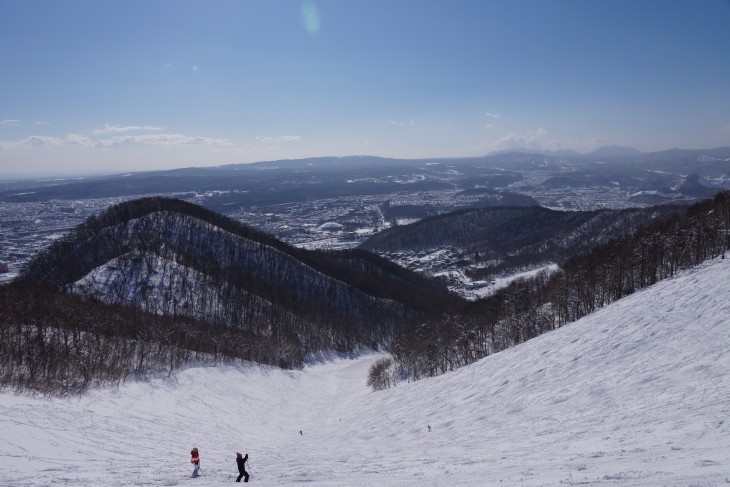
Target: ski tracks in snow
635	394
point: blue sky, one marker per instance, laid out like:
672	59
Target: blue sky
107	86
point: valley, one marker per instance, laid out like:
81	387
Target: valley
634	394
370	243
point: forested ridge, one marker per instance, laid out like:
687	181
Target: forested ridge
530	307
93	243
163	267
224	249
153	284
503	239
56	343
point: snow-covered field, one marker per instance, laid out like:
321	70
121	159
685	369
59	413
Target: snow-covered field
636	394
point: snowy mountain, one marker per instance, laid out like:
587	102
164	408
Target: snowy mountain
637	393
172	258
485	242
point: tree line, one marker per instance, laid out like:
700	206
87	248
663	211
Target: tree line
173	282
231	293
55	343
506	238
529	307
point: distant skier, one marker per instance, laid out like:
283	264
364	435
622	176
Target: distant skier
195	460
429	428
241	461
300	432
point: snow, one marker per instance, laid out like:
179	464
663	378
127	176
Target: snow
505	280
108	284
473	290
8	276
330	227
365	231
636	394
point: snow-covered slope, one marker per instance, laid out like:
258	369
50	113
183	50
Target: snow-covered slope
635	394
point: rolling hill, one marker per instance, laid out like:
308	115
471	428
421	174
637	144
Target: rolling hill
172	258
494	239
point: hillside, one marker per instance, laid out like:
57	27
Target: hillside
490	240
172	258
637	394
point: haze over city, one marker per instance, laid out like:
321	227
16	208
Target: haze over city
101	87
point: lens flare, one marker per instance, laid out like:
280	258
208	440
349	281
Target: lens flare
310	17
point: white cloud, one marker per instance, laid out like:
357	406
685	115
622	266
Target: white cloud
491	119
41	122
39	141
290	138
47	141
407	123
281	138
539	140
75	140
9	121
112	129
196	68
167	66
165	140
532	139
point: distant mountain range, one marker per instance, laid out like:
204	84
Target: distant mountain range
607	151
332	177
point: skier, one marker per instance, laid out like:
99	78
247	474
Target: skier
195	460
241	461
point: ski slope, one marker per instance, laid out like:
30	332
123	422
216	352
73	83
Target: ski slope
635	394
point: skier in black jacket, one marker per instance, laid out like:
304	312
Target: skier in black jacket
241	461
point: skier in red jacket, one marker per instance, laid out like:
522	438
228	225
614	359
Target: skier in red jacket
195	460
